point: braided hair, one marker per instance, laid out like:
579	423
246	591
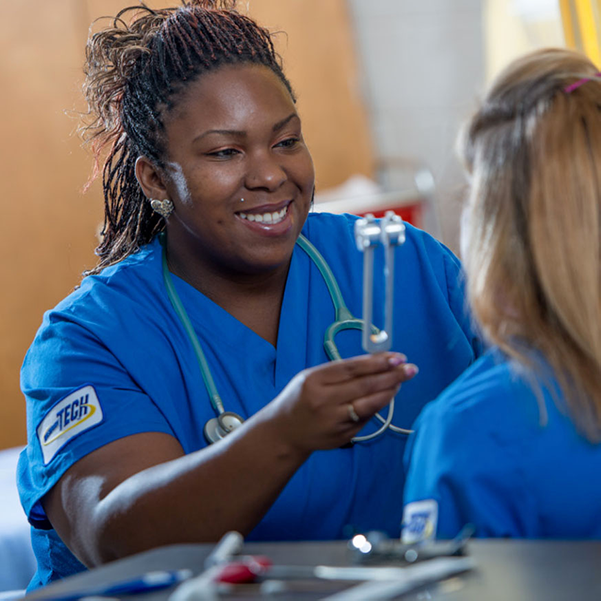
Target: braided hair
135	70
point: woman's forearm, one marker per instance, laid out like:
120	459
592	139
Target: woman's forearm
194	498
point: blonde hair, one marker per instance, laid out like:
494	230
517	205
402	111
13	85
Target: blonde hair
533	150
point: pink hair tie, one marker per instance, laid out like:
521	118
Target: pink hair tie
578	83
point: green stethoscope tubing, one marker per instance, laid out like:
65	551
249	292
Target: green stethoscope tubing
176	302
344	320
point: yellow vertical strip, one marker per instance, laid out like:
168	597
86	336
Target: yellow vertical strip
588	29
569	31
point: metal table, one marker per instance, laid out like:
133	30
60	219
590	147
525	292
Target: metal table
506	570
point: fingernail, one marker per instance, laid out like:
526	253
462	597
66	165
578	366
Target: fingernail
411	370
397	359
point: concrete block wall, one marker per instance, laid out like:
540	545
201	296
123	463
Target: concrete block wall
423	69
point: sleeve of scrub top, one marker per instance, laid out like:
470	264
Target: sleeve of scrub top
79	398
460	473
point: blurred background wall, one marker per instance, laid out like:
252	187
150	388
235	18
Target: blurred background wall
377	80
422	62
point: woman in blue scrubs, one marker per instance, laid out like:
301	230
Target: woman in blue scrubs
208	185
512	447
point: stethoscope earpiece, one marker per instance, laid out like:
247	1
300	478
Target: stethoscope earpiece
219	427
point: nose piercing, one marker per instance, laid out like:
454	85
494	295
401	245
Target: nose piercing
242	200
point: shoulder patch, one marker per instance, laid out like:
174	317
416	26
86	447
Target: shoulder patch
420	520
74	414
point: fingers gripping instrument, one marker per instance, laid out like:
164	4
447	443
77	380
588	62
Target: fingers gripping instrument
369	233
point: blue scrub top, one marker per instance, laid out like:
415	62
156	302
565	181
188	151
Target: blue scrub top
490	453
113	360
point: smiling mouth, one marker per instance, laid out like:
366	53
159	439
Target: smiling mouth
266	217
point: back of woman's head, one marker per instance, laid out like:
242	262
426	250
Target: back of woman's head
136	70
532	248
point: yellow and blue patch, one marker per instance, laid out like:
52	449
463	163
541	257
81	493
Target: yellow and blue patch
74	414
420	520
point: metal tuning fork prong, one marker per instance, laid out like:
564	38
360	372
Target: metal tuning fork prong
369	232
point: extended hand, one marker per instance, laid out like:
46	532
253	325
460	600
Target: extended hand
325	406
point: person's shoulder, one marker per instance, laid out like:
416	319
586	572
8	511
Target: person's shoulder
104	309
421	256
326	227
490	395
115	291
128	274
330	229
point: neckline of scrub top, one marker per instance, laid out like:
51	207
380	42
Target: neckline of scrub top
290	353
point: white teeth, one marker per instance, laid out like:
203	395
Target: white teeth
265	217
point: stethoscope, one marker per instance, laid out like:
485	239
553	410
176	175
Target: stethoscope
226	421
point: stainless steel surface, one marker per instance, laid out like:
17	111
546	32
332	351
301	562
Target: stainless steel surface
506	570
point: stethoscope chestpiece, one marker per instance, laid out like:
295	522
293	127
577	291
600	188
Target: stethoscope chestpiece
219	427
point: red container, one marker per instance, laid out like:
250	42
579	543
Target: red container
412	213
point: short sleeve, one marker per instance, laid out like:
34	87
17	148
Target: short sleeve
459	472
79	398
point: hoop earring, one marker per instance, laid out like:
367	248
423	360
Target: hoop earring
162	207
